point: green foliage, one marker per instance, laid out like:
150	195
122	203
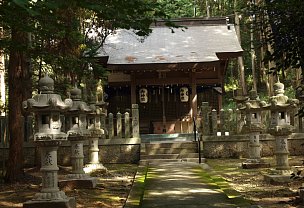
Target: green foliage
286	36
290	92
178	8
231	84
59	31
194	8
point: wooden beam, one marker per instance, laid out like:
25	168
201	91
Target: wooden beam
193	96
165	81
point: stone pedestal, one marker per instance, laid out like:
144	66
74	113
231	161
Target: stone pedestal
93	163
278	178
254	160
282	171
281	153
78	178
50	195
253	126
77	157
70	202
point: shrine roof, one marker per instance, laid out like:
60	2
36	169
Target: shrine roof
199	43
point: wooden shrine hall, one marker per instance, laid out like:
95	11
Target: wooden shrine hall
168	74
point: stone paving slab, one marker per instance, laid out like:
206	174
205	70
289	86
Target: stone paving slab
178	185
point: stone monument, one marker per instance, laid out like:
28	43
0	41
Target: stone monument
76	123
252	109
48	107
280	107
94	128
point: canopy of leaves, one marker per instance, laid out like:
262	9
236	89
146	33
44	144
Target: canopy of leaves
286	35
60	32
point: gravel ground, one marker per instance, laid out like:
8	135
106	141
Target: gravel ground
251	184
114	185
111	192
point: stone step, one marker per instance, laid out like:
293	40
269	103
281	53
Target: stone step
159	156
152	151
195	160
188	155
144	162
172	145
147	138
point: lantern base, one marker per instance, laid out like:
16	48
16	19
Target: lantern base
89	168
69	202
88	183
254	163
277	177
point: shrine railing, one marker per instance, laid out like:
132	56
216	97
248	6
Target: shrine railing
231	121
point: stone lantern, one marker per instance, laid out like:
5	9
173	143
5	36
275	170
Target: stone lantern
94	128
280	107
76	123
252	109
48	107
240	99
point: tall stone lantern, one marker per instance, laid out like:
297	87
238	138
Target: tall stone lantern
252	109
94	128
76	123
48	107
281	107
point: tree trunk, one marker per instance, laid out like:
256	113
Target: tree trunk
240	59
252	52
19	84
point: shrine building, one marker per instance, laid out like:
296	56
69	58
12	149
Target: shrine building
169	73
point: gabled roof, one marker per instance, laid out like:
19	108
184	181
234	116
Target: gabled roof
199	43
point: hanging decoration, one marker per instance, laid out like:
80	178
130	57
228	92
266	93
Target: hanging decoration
184	94
143	95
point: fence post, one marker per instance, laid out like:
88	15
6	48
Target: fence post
294	120
135	121
119	125
222	121
111	126
127	125
229	122
214	121
239	121
205	123
103	123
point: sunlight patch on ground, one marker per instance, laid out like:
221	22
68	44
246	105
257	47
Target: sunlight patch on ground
183	192
9	204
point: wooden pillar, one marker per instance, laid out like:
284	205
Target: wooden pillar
119	125
163	109
221	67
133	90
193	97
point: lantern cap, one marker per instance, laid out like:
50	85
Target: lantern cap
76	93
46	85
278	88
253	95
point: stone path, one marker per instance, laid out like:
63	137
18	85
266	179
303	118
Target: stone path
179	185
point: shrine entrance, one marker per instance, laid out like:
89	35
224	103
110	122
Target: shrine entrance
169	74
164	108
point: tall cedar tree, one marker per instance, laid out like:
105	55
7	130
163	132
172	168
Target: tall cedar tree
55	26
19	84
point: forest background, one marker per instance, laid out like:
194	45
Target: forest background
55	37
